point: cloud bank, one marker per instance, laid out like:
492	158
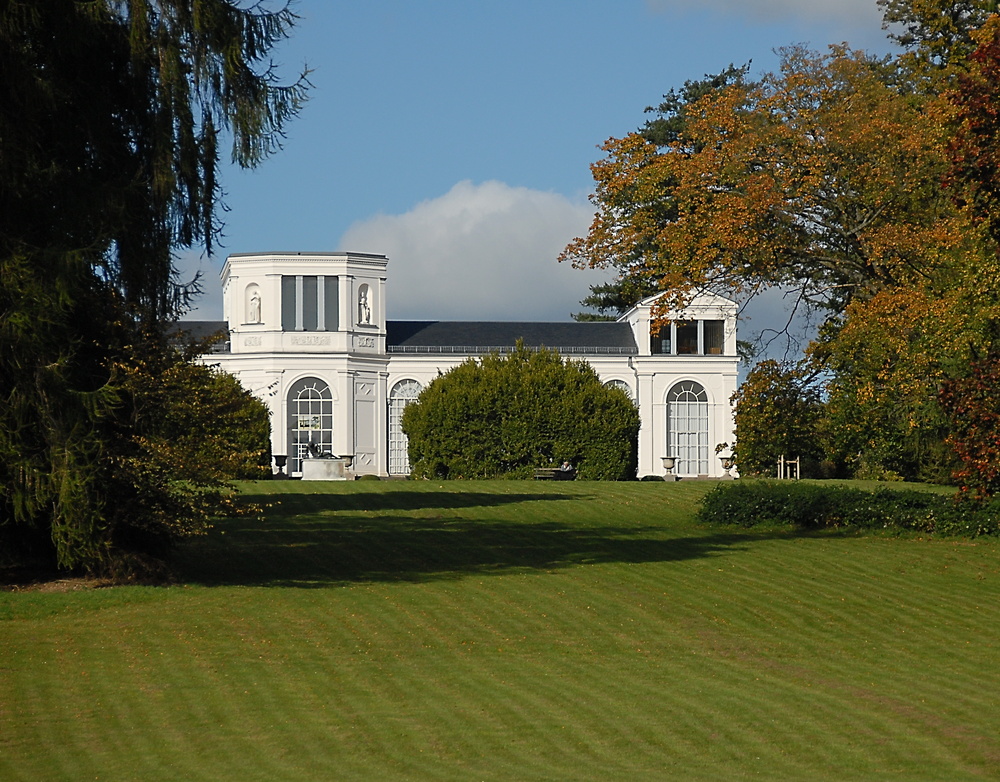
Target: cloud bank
480	252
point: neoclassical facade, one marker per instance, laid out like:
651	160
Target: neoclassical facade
308	335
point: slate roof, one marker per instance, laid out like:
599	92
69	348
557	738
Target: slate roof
195	330
475	337
465	337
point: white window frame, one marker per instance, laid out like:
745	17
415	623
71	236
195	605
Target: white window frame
402	394
310	420
687	427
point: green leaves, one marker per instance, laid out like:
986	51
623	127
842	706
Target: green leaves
777	415
866	185
811	506
973	408
114	112
503	415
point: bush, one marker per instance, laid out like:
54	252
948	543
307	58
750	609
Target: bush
191	430
502	416
777	413
809	506
106	480
972	404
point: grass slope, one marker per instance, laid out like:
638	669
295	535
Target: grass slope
512	630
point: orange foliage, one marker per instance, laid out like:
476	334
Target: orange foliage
825	176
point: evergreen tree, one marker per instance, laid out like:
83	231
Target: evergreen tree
938	33
112	115
671	117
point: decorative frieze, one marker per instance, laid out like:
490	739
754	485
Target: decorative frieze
310	339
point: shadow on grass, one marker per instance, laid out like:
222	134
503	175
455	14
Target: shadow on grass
315	541
291	504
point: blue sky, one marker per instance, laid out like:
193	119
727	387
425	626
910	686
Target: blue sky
456	135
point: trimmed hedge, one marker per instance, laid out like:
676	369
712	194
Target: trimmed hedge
501	416
811	506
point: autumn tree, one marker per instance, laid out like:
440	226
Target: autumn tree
634	280
828	178
974	177
778	411
972	405
886	359
969	393
824	177
114	118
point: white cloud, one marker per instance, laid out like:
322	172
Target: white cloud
860	13
480	252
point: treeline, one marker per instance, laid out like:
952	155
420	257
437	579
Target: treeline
866	187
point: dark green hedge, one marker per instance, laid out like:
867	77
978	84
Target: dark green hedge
502	416
814	506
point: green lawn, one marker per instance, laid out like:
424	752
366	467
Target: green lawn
512	631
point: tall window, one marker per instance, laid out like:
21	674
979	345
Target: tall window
687	337
309	303
714	338
687	427
621	385
404	392
310	420
690	338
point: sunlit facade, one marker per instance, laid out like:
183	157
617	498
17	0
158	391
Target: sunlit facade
308	334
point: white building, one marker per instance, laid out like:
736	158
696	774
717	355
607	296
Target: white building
308	335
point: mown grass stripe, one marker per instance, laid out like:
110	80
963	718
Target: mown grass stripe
513	630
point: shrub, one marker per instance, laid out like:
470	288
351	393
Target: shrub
810	506
146	458
191	429
972	404
502	416
777	410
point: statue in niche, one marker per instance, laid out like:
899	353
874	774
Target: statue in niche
364	308
253	312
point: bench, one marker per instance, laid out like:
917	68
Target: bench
553	474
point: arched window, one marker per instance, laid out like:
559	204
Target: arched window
404	392
623	386
310	420
687	427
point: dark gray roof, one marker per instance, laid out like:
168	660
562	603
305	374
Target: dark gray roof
473	337
196	330
202	328
439	336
